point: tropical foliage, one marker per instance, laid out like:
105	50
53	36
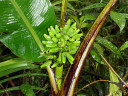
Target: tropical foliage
35	40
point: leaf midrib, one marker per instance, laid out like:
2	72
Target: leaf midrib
25	20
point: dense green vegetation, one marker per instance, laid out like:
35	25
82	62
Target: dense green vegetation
21	36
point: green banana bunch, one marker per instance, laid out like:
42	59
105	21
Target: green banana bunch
61	44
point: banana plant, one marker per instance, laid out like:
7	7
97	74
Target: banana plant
74	72
24	26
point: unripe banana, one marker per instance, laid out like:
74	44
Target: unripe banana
72	51
59	58
58	35
50	56
44	42
55	65
72	47
66	37
66	27
54	50
47	37
71	29
49	30
51	45
63	42
48	42
46	63
76	42
55	39
75	32
77	36
51	34
69	57
53	30
63	57
57	29
59	43
71	39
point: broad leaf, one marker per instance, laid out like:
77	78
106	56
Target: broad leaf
19	87
99	48
89	17
27	89
14	65
23	23
21	75
108	45
96	5
114	89
96	56
70	6
124	46
119	18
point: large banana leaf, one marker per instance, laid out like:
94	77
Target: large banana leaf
22	25
14	65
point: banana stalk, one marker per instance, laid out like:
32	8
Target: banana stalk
71	79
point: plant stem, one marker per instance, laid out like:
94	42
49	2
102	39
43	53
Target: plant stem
58	75
59	70
91	84
11	82
114	71
63	12
54	86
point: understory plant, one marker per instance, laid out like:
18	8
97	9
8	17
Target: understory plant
45	46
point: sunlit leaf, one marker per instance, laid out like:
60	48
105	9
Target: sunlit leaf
124	46
119	18
23	23
114	90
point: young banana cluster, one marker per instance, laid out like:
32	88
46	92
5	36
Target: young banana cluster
61	44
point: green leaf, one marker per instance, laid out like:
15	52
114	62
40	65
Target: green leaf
83	25
23	23
14	65
96	56
81	95
46	63
114	90
18	88
108	45
119	18
22	75
27	89
99	48
89	17
124	46
96	5
70	6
